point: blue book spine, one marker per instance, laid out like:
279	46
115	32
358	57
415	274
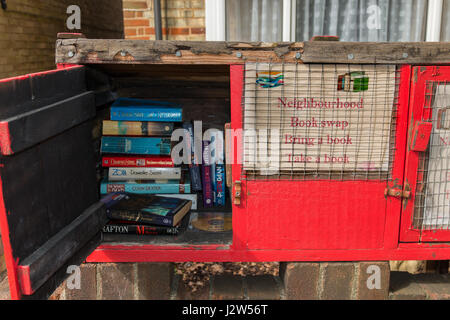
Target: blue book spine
172	187
146	114
219	185
194	167
126	145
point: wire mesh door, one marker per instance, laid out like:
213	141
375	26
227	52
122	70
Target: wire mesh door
427	215
321	144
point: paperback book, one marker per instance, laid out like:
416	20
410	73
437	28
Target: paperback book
208	200
192	197
194	167
136	128
149	209
126	109
135	162
125	174
127	145
146	186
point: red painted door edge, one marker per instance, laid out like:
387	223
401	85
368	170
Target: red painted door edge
239	218
394	205
11	264
421	75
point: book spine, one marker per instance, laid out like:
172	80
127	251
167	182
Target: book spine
219	186
142	114
136	128
144	188
194	167
125	174
151	146
138	217
139	229
135	162
208	200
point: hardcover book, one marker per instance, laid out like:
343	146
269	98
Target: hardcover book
219	185
194	167
135	162
125	174
145	187
125	109
127	145
136	128
149	209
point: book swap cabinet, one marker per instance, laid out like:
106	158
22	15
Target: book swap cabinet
334	152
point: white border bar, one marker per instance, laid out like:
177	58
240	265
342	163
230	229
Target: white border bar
434	20
287	7
215	20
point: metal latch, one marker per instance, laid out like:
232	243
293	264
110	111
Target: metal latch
421	136
397	193
237	193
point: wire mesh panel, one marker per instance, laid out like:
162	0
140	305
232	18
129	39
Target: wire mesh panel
432	203
319	121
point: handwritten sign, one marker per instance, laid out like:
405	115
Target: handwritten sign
318	117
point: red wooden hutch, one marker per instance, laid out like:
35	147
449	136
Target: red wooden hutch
50	214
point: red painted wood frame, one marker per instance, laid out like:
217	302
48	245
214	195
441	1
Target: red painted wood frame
267	208
422	78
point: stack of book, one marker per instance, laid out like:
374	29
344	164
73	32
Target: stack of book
136	150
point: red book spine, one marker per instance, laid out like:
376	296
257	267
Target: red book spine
130	162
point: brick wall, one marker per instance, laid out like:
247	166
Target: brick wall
28	30
181	20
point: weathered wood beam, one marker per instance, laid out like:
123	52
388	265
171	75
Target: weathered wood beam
91	51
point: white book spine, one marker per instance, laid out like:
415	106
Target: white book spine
125	174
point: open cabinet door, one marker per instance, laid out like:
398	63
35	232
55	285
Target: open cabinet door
50	216
426	215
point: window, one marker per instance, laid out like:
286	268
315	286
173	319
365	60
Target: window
351	20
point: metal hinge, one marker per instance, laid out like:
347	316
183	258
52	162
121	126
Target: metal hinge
237	193
397	193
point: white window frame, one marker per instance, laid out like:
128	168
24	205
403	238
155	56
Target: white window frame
215	18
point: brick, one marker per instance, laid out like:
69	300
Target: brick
178	31
403	287
129	14
130	32
154	280
227	287
88	284
365	271
300	280
116	281
4	289
185	293
262	288
337	281
198	30
436	286
135	5
136	23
